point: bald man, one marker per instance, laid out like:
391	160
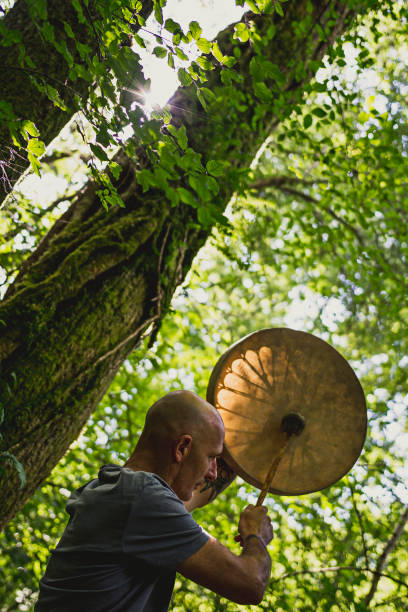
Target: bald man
130	529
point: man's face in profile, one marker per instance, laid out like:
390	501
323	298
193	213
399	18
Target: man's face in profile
201	464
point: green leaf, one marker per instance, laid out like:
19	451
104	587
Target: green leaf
204	63
84	52
54	96
307	121
80	14
278	9
241	32
370	102
216	51
255	68
319	112
99	152
319	87
68	30
38	9
363	117
183	76
199	183
192	72
145	178
208	94
115	169
35	164
204	216
180	135
190	161
195	29
229	61
158	13
29	127
271	31
139	41
36	147
266	5
274	72
160	52
181	55
262	92
161	177
253	6
125	63
187	197
65	52
212	184
170	60
172	26
204	45
9	37
321	32
201	98
172	196
215	168
165	115
48	32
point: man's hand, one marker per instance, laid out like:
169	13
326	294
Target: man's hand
254	520
242	579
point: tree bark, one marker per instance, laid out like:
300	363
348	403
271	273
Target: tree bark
101	280
49	68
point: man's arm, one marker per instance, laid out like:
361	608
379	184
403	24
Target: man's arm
242	579
212	488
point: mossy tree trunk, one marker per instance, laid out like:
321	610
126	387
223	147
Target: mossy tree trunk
101	280
30	68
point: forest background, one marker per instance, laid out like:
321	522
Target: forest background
284	151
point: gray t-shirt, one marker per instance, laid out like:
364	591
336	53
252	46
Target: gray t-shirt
127	533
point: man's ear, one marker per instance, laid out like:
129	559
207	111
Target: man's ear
182	447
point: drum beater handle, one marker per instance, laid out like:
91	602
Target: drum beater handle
292	423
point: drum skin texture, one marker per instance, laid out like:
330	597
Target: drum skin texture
273	372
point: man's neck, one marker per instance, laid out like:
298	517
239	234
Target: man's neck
141	463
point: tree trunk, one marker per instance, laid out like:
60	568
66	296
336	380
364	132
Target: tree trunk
48	68
101	280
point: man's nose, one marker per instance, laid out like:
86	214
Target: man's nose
212	472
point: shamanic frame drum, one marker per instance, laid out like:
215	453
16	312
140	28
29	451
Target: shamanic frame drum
271	373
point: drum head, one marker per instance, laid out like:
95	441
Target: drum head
271	373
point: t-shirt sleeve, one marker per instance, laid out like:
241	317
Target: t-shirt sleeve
159	529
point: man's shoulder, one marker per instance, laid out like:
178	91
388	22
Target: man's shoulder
132	482
159	529
152	490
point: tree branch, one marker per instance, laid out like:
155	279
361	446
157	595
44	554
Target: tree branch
360	522
12	233
281	182
382	559
132	336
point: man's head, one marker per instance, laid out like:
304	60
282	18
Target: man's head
181	439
